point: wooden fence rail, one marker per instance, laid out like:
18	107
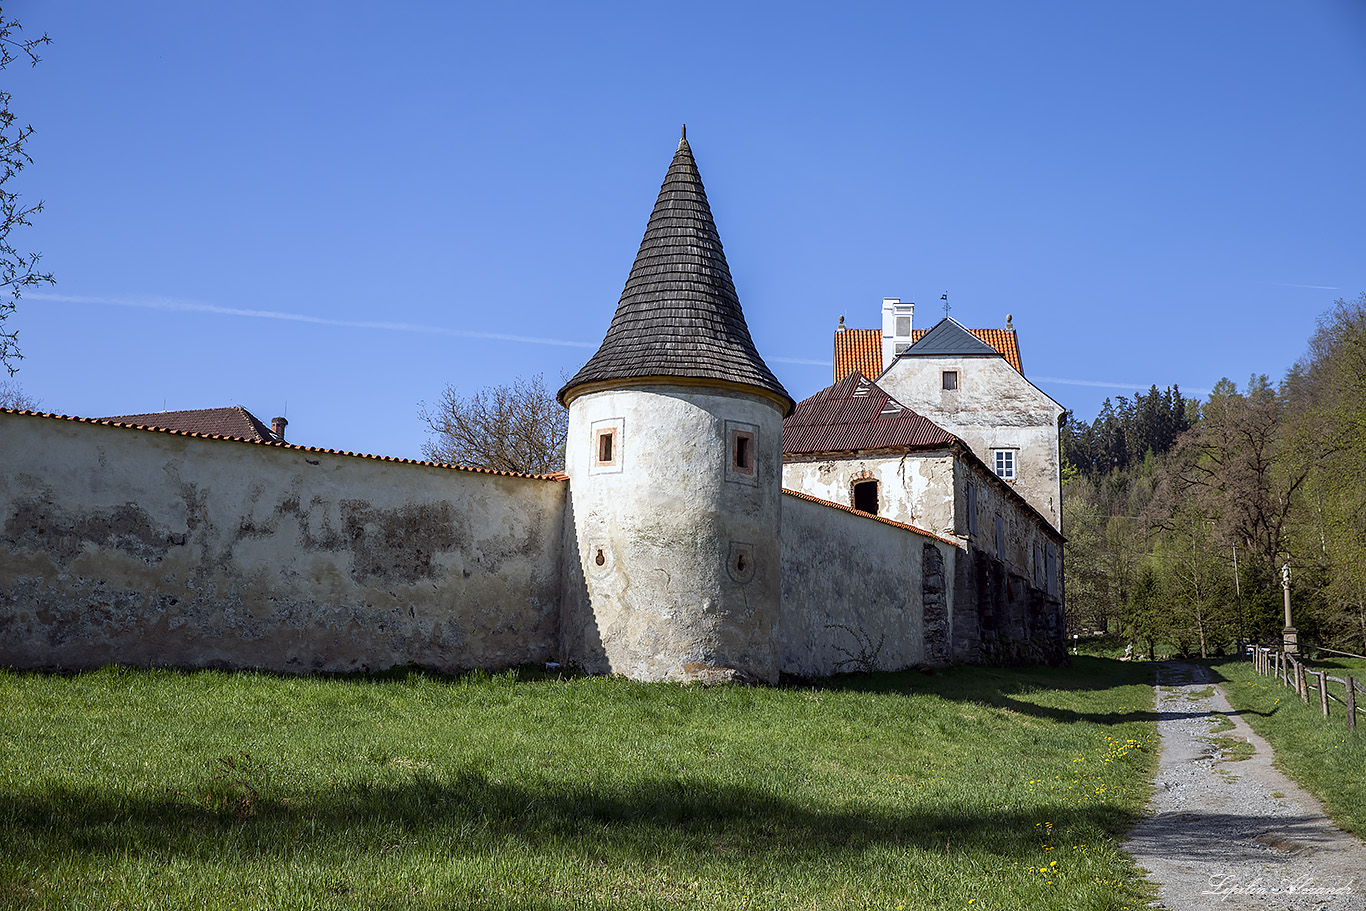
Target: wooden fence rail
1292	672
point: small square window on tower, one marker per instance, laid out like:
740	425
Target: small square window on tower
742	452
606	441
950	380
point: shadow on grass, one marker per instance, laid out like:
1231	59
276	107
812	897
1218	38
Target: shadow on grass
466	811
1005	687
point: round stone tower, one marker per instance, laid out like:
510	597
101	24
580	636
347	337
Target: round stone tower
674	460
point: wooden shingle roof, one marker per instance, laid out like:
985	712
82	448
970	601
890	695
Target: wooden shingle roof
679	316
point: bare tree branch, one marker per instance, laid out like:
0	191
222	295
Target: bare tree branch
519	427
17	270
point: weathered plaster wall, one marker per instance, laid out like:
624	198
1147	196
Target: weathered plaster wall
147	548
915	488
672	564
993	408
854	593
1015	591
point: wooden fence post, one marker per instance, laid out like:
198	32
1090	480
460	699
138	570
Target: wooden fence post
1303	677
1351	704
1323	692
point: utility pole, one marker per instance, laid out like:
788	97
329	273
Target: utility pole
1238	590
1290	637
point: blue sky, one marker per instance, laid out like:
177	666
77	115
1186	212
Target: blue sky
333	210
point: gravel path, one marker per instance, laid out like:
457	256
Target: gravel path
1235	834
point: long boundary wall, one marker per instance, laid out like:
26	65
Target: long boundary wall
861	593
153	548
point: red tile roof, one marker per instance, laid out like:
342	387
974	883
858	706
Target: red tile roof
108	422
864	515
234	421
856	414
861	349
858	350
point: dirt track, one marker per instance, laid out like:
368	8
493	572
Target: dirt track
1236	834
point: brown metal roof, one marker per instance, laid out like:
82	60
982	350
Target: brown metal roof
861	349
234	421
856	414
679	315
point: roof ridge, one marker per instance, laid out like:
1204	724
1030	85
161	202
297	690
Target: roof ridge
280	444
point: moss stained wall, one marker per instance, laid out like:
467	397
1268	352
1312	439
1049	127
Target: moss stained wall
145	548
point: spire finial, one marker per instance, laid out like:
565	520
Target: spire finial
685	132
945	298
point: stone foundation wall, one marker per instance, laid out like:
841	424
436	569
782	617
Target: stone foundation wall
147	548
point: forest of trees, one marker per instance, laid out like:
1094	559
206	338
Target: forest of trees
1164	496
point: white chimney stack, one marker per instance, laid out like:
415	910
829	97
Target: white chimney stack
896	328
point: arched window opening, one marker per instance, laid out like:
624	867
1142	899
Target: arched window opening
865	497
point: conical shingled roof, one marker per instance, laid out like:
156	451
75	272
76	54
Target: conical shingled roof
679	315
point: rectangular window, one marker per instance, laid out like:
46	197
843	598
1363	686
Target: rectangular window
950	380
901	346
607	438
606	449
1005	463
1051	569
742	452
865	497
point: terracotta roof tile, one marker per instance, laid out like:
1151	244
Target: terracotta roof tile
787	491
1004	341
234	421
856	414
858	350
861	349
110	422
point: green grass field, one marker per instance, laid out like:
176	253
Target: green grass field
970	788
1322	755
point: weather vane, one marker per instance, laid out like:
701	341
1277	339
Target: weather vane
945	298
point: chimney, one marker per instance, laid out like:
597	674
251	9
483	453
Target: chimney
896	328
277	427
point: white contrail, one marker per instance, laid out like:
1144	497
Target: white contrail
1109	385
187	306
801	360
1312	287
